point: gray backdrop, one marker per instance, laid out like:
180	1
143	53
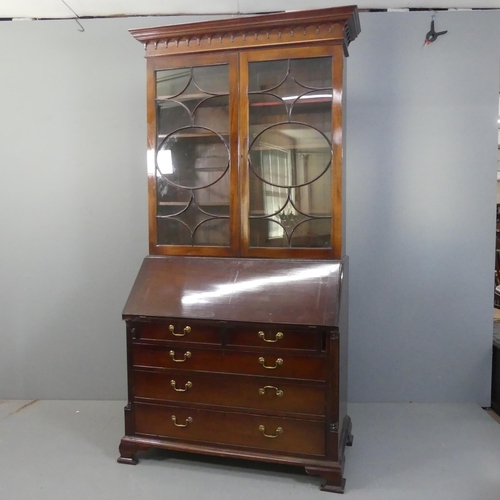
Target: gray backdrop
421	194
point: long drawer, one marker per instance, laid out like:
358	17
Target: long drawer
224	361
261	393
301	437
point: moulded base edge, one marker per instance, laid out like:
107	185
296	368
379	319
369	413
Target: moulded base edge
330	471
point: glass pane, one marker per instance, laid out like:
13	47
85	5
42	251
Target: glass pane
265	110
312	233
214	200
313	73
276	154
192	156
212	79
315	109
314	199
173	232
266	199
192	225
267	233
170	116
170	82
183	155
290	152
267	75
213	113
213	232
171	200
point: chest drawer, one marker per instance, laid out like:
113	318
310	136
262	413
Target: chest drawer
275	336
224	361
261	393
179	331
301	437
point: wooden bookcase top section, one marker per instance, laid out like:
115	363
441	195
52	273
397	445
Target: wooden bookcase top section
295	292
333	25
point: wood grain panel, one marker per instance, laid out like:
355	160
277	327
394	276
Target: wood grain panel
264	393
302	437
273	336
174	330
223	361
294	292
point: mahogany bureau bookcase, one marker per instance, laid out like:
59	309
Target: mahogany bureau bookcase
237	321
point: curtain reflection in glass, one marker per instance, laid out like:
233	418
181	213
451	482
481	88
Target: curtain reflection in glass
290	152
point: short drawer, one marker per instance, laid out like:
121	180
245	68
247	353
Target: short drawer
179	331
260	393
275	336
223	361
302	437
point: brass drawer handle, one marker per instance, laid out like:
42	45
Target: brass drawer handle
187	386
187	329
189	420
279	431
262	390
278	362
262	336
186	356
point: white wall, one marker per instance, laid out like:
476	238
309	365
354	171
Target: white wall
73	218
421	188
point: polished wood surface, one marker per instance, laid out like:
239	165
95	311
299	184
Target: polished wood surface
302	292
179	331
274	336
221	361
300	437
214	372
268	394
237	334
269	37
333	25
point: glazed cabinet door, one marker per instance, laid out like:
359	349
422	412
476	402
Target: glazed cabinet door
192	155
292	152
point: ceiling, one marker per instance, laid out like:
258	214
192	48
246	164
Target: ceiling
47	9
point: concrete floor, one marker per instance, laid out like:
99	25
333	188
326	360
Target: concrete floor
68	449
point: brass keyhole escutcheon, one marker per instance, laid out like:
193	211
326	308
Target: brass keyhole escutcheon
262	390
187	329
187	386
189	420
277	363
187	355
279	431
262	336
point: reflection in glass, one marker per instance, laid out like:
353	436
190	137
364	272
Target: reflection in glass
171	115
274	152
312	233
186	154
212	79
213	113
265	110
192	156
212	232
290	152
264	76
314	73
170	82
